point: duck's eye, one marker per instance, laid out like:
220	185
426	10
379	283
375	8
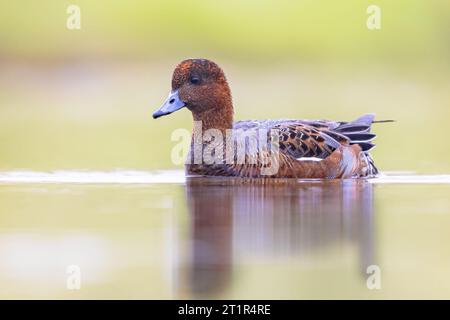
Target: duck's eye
194	80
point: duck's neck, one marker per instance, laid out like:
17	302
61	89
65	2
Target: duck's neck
219	117
215	119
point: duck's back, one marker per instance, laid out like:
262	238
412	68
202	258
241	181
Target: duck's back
308	149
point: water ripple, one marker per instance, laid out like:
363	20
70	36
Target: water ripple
173	177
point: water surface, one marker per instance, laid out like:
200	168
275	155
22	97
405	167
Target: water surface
147	235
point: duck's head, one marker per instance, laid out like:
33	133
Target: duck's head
200	86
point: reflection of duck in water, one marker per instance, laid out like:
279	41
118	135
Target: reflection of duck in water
307	149
233	222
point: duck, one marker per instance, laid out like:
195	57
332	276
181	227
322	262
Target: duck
287	148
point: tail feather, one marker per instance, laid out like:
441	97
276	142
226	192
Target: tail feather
366	119
359	125
365	146
360	137
358	132
373	170
382	121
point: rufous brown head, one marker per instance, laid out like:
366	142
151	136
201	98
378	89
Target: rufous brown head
200	86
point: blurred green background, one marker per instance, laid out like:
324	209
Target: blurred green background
82	99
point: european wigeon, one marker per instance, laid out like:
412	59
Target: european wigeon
301	148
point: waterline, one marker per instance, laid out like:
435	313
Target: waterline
172	177
95	177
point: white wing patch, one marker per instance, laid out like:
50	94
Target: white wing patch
309	159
